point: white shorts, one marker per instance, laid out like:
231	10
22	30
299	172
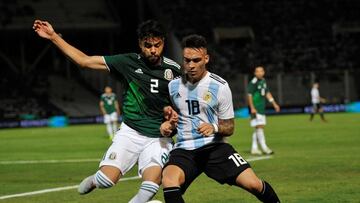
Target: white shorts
130	147
259	119
108	118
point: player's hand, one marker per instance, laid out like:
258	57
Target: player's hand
166	128
171	115
206	129
253	111
276	107
323	100
44	29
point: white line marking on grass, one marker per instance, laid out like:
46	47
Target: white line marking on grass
257	158
48	161
250	159
55	189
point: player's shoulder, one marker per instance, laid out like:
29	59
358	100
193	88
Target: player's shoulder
171	63
176	80
254	80
125	57
218	79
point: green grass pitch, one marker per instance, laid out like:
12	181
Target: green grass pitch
313	162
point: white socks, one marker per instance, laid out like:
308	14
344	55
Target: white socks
261	138
254	145
146	192
109	129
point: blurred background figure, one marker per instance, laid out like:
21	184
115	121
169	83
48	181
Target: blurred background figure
109	107
258	92
316	101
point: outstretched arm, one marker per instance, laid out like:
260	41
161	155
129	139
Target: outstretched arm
45	30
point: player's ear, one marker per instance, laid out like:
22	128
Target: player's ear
207	58
140	43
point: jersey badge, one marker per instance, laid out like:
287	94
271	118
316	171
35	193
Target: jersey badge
112	156
168	74
139	71
207	97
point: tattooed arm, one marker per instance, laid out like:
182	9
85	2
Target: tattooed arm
226	127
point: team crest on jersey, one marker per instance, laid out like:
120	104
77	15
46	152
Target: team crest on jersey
168	74
112	156
207	97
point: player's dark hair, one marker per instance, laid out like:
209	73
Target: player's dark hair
194	41
150	28
259	66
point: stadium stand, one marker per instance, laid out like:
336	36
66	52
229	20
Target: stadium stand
297	42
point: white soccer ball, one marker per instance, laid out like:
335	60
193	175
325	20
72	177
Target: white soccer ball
154	201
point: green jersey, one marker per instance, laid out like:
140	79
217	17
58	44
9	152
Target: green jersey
109	101
146	90
258	89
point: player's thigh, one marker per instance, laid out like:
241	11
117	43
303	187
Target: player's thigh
259	119
124	151
155	152
185	165
225	164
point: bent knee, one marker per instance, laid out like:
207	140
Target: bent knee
168	181
254	186
172	176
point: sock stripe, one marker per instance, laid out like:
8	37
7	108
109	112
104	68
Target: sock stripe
103	180
150	188
171	190
264	188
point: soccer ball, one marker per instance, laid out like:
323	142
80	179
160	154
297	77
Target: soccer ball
154	201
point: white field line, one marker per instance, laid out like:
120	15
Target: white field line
55	189
48	161
250	159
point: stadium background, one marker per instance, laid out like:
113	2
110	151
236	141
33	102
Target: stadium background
298	42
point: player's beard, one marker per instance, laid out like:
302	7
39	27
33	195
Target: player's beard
153	59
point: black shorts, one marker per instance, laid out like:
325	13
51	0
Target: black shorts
219	161
317	106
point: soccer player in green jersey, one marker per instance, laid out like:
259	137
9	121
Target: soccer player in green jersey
258	93
146	77
109	107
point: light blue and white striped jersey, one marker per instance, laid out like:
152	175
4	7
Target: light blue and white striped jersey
206	101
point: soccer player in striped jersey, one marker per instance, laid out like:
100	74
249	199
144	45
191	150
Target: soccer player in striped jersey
258	93
109	107
203	102
145	76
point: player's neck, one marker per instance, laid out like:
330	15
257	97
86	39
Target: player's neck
196	80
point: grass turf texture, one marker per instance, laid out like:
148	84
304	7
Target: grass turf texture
313	162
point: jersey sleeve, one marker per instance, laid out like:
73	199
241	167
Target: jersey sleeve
116	63
226	109
250	88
